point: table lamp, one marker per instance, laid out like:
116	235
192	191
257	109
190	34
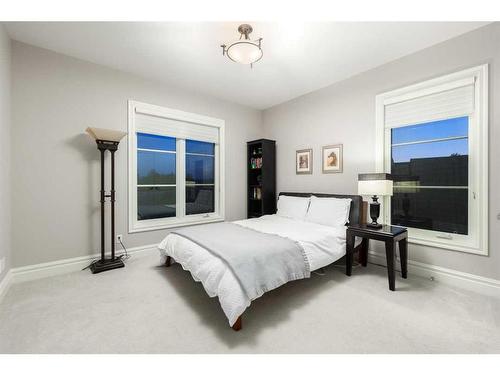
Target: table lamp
107	139
375	184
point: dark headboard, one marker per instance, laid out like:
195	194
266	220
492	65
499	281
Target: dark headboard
356	213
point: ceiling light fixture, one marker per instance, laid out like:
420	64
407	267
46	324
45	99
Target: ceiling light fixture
244	50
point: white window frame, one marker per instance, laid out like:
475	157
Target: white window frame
476	242
181	219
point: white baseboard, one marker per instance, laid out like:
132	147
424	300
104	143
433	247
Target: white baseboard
5	284
443	275
59	267
483	285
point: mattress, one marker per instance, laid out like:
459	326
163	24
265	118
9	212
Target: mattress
322	245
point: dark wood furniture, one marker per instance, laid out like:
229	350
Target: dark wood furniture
261	177
390	235
356	217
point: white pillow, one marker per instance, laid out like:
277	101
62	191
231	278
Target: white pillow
333	212
293	207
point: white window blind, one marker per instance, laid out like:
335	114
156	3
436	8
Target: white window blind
175	128
456	100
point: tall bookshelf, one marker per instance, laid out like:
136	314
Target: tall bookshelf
261	180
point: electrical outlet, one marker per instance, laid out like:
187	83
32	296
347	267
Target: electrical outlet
2	264
119	238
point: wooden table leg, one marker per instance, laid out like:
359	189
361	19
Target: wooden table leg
363	252
238	324
389	254
349	255
403	254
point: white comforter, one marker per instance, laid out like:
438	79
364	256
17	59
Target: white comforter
322	245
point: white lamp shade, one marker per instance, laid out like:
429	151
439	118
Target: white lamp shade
375	187
106	134
244	52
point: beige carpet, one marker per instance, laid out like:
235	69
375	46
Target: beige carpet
147	308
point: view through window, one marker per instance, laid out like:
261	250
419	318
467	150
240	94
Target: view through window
429	164
200	177
156	176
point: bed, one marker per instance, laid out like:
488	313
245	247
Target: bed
320	244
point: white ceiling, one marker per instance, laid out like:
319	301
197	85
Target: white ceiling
298	57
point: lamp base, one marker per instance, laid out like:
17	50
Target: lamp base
374	214
106	265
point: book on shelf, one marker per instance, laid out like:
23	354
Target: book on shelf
256	163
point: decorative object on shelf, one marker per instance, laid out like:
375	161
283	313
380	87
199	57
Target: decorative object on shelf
257	193
261	177
257	151
244	50
304	161
333	159
107	139
375	184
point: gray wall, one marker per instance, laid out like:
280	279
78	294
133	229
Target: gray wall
345	113
55	167
55	170
5	56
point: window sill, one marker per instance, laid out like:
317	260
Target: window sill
175	224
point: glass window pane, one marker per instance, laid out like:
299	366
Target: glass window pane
199	169
155	168
197	147
456	127
199	199
155	202
444	163
155	142
430	150
443	210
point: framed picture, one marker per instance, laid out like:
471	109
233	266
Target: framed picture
304	161
332	159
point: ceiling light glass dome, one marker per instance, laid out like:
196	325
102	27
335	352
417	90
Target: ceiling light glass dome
244	50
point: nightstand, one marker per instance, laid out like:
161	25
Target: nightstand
389	234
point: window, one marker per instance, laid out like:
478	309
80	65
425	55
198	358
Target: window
432	137
429	164
156	188
175	172
199	177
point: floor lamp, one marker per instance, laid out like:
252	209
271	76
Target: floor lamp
107	139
